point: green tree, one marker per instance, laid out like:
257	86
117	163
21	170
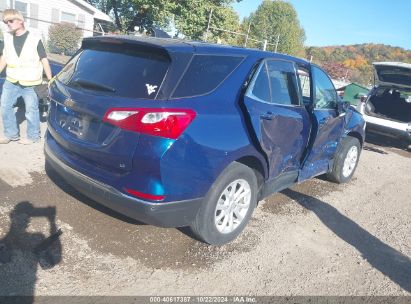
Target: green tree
64	38
190	17
110	6
226	18
274	19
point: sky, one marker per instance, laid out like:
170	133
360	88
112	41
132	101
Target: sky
344	22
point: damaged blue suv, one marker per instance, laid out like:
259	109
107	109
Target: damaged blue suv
175	133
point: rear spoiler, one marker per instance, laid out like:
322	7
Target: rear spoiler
120	43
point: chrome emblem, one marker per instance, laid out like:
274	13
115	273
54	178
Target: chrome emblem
69	102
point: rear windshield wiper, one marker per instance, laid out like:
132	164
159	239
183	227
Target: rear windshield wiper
87	84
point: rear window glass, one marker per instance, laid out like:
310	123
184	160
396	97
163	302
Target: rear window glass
206	73
121	70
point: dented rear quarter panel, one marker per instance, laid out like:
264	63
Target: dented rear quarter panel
355	125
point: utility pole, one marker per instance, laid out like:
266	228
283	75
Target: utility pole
265	44
248	33
276	44
208	25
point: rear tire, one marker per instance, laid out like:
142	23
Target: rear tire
345	160
228	205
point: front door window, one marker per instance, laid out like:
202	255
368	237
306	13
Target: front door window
325	94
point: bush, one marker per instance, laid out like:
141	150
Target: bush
64	38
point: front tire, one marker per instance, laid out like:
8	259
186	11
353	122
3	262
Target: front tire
228	205
345	160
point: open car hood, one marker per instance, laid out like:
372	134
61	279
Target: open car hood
393	73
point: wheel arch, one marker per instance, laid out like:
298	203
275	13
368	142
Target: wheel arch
256	165
357	136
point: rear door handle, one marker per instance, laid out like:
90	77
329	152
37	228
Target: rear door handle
267	116
324	120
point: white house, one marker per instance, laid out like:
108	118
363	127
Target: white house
40	14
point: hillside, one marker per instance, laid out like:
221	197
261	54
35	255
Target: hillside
354	62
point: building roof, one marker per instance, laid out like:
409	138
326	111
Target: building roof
339	84
97	14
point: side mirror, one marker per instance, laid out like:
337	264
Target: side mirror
361	96
343	107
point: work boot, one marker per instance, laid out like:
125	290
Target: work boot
27	141
4	140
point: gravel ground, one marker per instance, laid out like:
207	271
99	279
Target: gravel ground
317	238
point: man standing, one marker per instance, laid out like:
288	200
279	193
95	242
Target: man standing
25	58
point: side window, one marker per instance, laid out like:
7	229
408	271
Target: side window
259	88
205	74
68	17
275	82
283	82
325	94
305	84
21	7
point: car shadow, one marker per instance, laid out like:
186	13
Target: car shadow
382	257
374	149
67	188
384	141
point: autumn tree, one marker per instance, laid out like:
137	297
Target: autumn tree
337	70
355	63
357	58
274	19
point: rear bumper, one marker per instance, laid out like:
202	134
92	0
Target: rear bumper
167	214
400	135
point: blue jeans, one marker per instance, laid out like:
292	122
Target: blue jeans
9	97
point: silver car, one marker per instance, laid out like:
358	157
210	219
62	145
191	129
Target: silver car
387	108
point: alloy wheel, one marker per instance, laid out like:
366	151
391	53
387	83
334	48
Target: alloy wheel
350	161
232	206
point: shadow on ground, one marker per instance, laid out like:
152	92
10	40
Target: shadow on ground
375	142
155	247
22	250
67	188
382	257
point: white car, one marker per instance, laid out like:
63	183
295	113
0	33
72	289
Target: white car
387	108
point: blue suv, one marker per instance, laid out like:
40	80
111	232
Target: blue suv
176	133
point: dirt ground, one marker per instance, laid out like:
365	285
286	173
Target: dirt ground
317	238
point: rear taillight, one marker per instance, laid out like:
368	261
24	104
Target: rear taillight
169	123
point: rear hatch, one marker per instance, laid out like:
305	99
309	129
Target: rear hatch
103	75
392	74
